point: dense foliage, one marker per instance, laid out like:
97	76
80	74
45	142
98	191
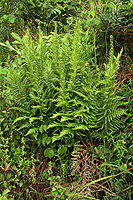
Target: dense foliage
66	110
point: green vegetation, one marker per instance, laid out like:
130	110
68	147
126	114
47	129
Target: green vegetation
66	110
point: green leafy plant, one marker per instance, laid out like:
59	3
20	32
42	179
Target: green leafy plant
58	85
57	94
75	104
110	107
37	84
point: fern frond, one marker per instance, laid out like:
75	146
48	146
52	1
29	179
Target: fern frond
109	115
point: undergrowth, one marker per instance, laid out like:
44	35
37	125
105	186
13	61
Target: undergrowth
52	96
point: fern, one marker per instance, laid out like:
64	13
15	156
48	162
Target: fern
75	102
58	93
29	86
17	87
110	111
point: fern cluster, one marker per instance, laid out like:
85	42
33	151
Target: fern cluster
57	91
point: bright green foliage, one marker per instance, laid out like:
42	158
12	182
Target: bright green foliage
52	78
57	91
54	92
110	111
57	87
30	86
75	102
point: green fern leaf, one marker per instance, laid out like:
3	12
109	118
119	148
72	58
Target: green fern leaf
20	119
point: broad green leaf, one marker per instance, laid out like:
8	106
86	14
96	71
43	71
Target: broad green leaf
44	138
48	140
16	36
5	192
21	183
49	152
107	150
55	137
12	18
39	141
52	145
41	129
